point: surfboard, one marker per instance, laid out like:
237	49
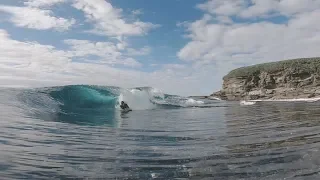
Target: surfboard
126	110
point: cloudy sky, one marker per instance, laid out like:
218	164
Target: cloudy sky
179	46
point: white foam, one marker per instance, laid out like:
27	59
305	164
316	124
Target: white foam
247	103
192	102
290	100
252	102
149	98
214	98
136	99
156	93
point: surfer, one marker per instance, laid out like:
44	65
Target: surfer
124	105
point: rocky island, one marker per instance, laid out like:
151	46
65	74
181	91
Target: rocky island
288	79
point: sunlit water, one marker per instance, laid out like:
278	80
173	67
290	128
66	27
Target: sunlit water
267	140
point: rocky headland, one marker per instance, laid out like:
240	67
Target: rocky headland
288	79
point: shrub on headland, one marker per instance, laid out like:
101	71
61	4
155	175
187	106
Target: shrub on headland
308	65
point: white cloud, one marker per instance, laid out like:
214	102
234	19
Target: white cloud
174	66
108	20
43	3
253	43
204	37
255	8
259	8
182	24
223	7
43	65
47	58
139	52
224	19
289	7
137	12
108	52
282	7
30	54
35	18
219	44
25	63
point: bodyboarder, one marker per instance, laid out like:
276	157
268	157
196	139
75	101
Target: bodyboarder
124	106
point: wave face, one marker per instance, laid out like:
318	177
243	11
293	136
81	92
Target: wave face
83	102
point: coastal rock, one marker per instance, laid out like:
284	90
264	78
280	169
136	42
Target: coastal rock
289	79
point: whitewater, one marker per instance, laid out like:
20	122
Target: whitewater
80	132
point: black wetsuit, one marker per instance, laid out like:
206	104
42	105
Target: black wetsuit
124	106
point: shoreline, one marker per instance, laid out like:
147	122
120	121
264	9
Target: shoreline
253	102
287	100
314	99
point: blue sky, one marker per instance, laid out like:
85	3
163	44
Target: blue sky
180	47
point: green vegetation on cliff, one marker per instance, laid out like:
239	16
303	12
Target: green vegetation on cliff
307	65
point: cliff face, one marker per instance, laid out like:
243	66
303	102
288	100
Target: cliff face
298	78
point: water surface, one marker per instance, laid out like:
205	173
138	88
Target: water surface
218	140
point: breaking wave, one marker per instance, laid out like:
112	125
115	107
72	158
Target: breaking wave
83	102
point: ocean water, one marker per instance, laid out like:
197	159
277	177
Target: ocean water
78	132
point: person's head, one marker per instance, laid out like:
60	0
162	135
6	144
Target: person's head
122	102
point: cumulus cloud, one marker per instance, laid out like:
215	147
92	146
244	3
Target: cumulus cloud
38	65
137	12
139	52
255	8
34	18
83	61
47	58
255	42
108	52
223	7
282	7
31	54
108	20
43	3
219	42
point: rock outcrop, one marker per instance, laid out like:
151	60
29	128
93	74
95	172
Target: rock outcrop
289	79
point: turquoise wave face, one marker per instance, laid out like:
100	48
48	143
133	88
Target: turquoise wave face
78	104
84	104
78	96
